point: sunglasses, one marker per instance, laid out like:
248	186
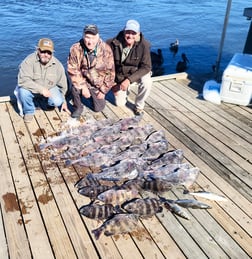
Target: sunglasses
45	51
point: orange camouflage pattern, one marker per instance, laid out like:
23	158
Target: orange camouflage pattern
100	73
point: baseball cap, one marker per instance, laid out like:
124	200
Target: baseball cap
91	28
132	25
46	44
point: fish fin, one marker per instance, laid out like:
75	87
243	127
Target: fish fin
127	202
97	233
186	191
118	209
162	199
77	183
53	157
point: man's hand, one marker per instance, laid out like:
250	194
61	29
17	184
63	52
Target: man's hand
46	92
125	84
115	89
86	92
64	108
100	95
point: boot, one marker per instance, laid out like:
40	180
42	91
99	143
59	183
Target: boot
78	106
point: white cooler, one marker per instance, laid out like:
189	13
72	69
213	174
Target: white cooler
236	86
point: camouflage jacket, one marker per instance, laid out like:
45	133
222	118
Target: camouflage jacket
100	73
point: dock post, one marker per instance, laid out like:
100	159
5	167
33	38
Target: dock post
248	45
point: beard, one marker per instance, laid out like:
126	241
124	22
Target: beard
44	60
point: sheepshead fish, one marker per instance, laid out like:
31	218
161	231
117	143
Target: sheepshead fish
191	203
95	159
111	131
118	224
60	142
170	157
174	208
154	150
182	176
93	191
125	169
156	136
143	207
163	170
209	196
85	181
97	211
117	195
134	136
131	152
75	136
130	122
154	185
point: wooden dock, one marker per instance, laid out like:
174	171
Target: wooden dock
39	215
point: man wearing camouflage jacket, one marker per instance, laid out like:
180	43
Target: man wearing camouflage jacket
91	69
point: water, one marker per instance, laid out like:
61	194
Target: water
197	24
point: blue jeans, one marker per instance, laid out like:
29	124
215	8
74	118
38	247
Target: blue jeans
26	97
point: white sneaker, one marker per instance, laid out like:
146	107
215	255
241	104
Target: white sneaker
28	118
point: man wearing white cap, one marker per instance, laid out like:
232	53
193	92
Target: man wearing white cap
41	74
133	65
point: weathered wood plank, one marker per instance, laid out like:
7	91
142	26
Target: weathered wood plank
29	222
72	218
215	138
220	131
3	241
215	110
234	210
200	145
200	127
58	236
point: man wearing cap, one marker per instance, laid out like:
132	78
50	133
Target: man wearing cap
91	69
133	65
41	74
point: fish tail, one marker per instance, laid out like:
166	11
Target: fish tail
97	233
68	162
53	157
42	146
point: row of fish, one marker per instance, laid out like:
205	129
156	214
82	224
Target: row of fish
123	219
120	206
132	160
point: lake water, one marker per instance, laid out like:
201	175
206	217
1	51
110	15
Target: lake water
198	25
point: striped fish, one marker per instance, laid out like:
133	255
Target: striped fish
154	185
170	157
117	196
119	224
97	211
93	191
143	207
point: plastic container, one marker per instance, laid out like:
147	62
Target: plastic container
236	86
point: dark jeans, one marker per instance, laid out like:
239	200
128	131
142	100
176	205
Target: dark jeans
98	104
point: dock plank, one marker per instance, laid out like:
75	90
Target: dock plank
71	214
219	144
44	215
200	145
24	198
51	215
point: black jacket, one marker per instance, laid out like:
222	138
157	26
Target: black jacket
138	61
